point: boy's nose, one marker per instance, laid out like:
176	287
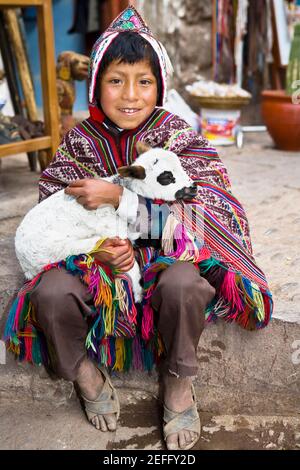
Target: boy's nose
130	92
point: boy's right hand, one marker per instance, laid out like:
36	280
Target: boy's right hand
121	254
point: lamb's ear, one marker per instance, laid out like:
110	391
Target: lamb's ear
142	147
132	171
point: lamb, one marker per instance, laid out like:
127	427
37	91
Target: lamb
59	226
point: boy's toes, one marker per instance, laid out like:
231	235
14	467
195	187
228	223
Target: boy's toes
105	422
172	442
103	426
111	422
95	422
180	440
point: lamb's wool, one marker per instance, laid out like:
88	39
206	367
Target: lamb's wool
59	227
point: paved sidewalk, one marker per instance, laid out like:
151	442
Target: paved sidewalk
40	425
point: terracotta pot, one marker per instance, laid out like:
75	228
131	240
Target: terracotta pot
282	119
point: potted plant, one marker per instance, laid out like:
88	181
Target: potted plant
281	108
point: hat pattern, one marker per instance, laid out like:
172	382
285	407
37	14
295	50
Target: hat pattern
129	20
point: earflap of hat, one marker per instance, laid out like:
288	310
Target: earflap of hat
98	51
166	68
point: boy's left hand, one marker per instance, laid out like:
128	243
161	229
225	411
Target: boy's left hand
92	193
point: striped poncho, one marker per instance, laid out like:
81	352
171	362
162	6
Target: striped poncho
212	232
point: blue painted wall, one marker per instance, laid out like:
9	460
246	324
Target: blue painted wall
62	19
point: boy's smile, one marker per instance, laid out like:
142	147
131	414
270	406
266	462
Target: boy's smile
128	93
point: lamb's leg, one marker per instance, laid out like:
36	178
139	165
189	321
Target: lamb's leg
135	276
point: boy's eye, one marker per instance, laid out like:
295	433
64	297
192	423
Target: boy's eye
145	82
115	81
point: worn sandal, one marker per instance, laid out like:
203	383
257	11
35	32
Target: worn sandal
106	403
188	419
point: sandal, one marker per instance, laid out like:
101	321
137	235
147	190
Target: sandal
106	403
188	419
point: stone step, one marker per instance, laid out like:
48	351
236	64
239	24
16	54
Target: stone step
239	372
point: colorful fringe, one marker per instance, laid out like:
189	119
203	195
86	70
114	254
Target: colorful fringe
123	335
115	338
238	299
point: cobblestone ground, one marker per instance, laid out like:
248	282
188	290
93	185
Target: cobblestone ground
267	182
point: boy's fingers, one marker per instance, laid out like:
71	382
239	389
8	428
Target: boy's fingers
121	252
74	191
76	183
126	267
117	241
124	259
80	199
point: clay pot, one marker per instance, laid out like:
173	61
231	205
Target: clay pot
282	119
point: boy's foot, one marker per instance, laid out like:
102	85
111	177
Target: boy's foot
178	398
90	381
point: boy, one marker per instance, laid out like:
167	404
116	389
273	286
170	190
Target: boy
127	85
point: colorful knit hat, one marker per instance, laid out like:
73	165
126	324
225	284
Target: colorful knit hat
128	20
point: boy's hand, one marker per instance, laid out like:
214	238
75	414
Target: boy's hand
92	193
121	254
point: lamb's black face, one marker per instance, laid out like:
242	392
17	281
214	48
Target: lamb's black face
166	178
158	174
187	193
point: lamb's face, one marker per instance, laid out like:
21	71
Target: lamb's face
158	174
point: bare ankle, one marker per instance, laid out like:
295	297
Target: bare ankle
89	379
180	383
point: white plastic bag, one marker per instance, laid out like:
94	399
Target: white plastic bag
176	104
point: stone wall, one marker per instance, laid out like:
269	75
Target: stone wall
184	27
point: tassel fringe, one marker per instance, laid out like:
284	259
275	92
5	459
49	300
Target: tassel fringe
123	335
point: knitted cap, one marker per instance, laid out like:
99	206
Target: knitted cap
128	20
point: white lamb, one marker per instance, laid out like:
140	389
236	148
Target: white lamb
59	226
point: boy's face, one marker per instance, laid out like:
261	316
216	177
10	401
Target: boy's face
128	93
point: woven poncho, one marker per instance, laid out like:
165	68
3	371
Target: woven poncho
212	232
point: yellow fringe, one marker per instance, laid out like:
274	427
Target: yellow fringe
258	299
14	348
96	249
27	317
249	301
109	314
120	354
104	295
121	295
160	346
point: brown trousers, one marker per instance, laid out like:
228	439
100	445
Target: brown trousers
62	302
